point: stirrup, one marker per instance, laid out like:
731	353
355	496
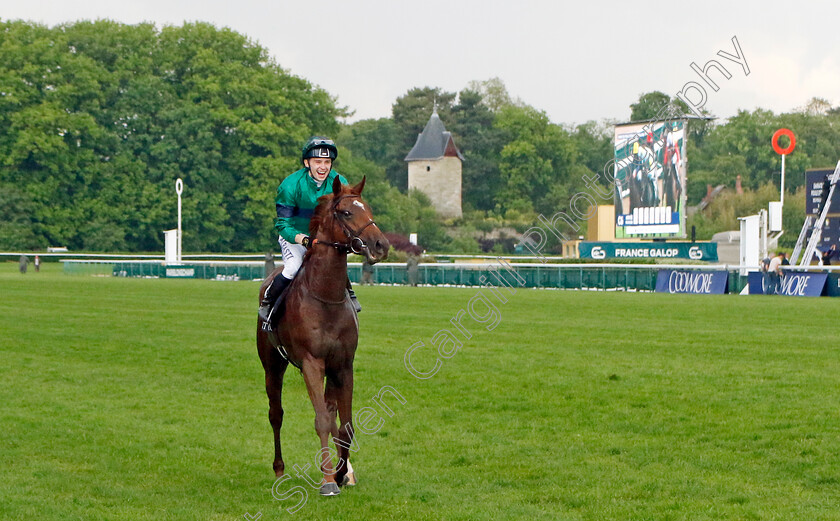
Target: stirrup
355	301
265	317
264	311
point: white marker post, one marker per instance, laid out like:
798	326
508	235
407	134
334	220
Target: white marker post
782	196
783	152
179	189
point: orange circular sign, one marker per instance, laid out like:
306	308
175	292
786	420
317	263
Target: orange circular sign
775	141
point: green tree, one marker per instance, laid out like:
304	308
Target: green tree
537	156
594	144
99	119
17	231
723	213
480	142
494	94
373	139
651	105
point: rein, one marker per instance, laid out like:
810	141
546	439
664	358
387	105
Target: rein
355	243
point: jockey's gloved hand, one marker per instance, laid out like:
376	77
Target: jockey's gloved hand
306	242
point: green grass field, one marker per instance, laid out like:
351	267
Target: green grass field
128	399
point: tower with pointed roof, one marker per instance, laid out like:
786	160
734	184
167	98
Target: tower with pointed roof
434	167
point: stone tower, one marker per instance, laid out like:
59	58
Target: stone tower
434	167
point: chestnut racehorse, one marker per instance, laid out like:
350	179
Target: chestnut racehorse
319	330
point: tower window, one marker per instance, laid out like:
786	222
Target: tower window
428	168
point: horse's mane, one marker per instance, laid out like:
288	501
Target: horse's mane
319	214
321	211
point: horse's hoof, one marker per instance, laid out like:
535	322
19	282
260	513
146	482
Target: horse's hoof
330	489
349	480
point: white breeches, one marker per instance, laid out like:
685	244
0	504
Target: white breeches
292	257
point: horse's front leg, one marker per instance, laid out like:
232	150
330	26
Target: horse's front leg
345	439
313	376
339	387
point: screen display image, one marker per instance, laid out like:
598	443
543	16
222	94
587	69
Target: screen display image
650	179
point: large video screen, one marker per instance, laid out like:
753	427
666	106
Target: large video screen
816	184
650	177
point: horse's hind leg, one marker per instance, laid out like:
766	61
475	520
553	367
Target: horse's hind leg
331	401
274	389
275	367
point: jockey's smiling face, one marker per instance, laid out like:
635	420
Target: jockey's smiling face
319	167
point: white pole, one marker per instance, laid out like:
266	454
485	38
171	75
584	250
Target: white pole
179	188
782	198
762	223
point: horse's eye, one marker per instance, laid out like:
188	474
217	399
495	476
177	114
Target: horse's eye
346	213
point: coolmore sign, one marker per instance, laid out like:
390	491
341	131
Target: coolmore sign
698	282
793	284
704	251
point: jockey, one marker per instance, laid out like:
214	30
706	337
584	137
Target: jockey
297	197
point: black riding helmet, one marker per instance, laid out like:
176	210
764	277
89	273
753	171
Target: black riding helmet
319	147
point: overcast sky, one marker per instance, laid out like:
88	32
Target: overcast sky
575	61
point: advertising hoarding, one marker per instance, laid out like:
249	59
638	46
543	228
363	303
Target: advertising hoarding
698	251
792	284
692	281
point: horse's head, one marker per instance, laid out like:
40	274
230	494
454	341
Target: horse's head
344	220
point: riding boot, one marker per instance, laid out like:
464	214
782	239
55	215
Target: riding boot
353	299
272	292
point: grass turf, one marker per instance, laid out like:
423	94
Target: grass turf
128	399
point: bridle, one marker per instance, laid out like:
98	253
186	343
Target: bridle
354	243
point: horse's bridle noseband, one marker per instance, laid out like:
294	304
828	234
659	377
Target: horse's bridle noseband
355	244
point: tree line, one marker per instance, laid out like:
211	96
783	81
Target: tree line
98	120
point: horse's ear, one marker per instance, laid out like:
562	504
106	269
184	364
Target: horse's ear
336	186
359	187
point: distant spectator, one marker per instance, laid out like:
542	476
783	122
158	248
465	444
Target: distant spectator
774	274
765	274
829	254
412	268
24	260
367	272
269	263
785	261
765	264
37	263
